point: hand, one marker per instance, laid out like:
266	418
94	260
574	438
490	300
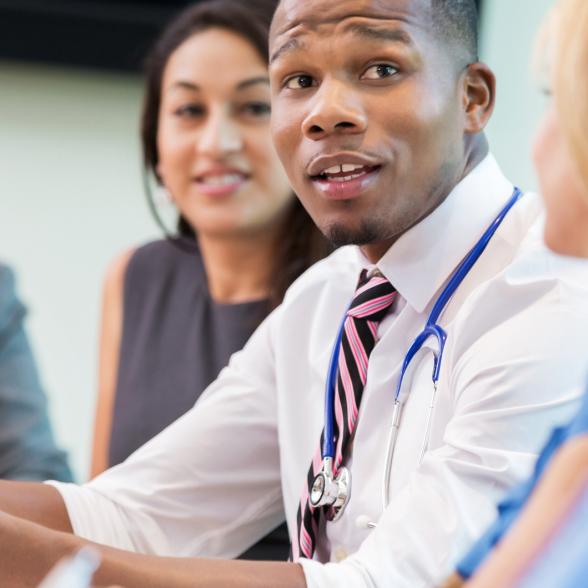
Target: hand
454	581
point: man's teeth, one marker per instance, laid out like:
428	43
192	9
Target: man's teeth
346	178
352	171
221	180
344	168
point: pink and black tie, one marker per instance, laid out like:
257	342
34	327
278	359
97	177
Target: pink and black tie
372	301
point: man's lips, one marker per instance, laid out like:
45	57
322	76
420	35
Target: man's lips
345	160
343	176
344	173
345	186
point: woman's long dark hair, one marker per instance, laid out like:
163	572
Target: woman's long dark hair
301	243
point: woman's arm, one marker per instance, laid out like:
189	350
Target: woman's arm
561	484
28	551
110	337
35	502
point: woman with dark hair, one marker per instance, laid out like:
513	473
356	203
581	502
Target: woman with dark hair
176	309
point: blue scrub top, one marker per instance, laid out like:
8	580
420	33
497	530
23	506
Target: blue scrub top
512	505
563	563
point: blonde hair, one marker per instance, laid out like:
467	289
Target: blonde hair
569	77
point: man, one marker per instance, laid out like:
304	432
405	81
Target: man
379	108
27	447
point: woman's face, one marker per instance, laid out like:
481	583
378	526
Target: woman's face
216	157
566	200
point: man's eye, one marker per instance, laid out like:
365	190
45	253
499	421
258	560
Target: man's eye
380	72
299	82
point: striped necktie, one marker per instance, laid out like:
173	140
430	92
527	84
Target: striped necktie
372	301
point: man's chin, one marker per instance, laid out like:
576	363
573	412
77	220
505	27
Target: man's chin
366	233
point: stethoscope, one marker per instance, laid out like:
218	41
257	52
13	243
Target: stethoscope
334	491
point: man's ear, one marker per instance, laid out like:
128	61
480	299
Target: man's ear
479	94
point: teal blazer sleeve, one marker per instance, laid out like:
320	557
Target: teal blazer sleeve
27	447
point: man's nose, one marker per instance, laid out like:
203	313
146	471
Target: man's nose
219	136
337	109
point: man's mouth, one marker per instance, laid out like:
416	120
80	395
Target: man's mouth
345	172
342	178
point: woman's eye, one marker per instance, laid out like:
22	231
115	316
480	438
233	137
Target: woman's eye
258	109
380	72
299	82
189	111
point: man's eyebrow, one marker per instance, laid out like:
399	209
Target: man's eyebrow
380	34
290	45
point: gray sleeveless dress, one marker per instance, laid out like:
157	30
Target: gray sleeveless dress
175	341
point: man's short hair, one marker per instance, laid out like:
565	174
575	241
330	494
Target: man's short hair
457	21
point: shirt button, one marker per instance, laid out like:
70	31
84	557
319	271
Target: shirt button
340	554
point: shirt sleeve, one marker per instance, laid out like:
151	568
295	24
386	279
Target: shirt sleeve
502	406
27	448
209	484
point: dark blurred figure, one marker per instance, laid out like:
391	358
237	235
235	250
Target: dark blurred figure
27	447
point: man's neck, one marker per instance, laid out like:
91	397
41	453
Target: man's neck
476	151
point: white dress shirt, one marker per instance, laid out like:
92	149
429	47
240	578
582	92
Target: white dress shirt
225	473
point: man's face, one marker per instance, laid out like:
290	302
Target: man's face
367	114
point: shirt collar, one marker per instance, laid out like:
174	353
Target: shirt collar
421	261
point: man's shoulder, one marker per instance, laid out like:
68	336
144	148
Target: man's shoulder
517	256
527	293
532	261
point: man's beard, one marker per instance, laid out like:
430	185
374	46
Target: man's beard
369	231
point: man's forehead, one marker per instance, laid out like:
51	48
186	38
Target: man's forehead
293	14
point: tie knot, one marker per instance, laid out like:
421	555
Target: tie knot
373	298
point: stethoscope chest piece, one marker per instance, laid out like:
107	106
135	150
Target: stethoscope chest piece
331	491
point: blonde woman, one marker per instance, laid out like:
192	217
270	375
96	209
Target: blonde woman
524	546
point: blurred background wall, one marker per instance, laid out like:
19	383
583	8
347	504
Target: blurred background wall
71	196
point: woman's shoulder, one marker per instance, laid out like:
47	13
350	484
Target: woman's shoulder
164	252
142	278
161	258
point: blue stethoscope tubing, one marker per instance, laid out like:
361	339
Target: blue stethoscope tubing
431	329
